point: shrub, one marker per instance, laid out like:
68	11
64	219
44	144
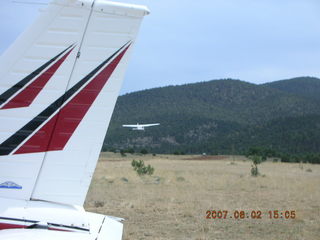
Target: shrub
179	153
254	170
141	169
98	204
123	153
144	151
256	160
286	158
130	150
113	150
313	158
264	153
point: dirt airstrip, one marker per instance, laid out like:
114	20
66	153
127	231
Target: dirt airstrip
174	202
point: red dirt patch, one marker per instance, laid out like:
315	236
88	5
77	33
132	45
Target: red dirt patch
207	157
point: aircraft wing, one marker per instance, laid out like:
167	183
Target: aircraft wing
131	126
150	125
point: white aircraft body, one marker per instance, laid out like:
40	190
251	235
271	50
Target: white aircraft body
59	82
140	127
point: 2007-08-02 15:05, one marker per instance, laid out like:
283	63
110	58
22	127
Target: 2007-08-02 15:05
254	214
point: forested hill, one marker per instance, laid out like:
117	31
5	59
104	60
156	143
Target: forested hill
306	87
221	116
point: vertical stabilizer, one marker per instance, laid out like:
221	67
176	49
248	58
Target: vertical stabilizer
58	86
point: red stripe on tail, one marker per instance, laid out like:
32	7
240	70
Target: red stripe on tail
10	226
63	124
27	95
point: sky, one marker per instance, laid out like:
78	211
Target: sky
184	41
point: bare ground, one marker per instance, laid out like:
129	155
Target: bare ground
172	203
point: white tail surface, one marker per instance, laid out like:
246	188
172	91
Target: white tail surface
58	86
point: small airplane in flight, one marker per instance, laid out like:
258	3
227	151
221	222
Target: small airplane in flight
55	80
140	127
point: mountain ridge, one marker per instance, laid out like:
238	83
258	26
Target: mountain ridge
199	117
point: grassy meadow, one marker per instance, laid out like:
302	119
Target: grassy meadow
172	203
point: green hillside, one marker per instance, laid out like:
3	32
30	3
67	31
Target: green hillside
220	116
307	87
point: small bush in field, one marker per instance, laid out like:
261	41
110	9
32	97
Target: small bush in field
123	153
144	151
141	169
254	167
130	150
254	170
98	204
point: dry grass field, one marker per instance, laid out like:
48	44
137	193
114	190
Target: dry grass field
172	203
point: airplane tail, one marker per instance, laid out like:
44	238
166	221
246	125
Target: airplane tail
58	86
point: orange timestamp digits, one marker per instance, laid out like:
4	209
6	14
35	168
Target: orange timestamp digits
216	214
253	214
276	214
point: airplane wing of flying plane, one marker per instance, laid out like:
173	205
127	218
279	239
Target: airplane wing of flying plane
58	86
140	126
